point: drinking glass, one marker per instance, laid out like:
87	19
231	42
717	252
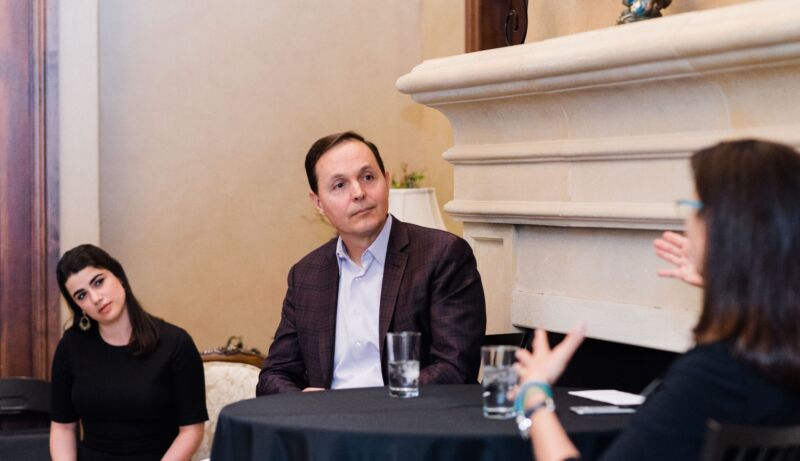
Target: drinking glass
498	378
403	354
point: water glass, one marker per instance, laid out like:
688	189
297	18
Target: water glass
498	378
403	353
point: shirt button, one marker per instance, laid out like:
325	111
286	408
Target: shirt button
358	343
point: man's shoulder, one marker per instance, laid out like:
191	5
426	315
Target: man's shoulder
424	238
320	256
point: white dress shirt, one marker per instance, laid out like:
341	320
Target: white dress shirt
357	357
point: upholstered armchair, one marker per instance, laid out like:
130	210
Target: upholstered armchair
231	375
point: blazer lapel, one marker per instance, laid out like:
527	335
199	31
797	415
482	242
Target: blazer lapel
396	259
329	293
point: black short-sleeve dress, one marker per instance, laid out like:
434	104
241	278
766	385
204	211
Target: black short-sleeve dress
707	382
130	407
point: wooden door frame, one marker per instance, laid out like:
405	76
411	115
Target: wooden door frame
29	198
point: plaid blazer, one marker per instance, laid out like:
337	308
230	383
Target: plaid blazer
430	285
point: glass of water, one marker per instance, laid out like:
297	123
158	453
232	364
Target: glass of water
498	378
403	353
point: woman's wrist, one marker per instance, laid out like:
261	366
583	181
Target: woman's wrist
532	396
530	389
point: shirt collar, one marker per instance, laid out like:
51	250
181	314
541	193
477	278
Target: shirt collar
378	248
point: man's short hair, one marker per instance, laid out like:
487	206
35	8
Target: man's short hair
327	143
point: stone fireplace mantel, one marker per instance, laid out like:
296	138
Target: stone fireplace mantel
569	153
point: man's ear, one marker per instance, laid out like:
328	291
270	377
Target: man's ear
388	176
316	202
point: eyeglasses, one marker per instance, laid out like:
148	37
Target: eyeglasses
687	207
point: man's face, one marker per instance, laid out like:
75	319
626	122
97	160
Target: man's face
352	192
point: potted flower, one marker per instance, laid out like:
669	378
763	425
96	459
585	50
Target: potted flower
410	203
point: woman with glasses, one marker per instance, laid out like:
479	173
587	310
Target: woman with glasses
742	245
134	382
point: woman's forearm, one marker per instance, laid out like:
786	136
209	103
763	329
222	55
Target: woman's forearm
64	441
550	441
186	443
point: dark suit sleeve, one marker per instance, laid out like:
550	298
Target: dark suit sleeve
284	369
457	316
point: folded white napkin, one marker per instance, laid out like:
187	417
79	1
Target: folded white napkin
611	396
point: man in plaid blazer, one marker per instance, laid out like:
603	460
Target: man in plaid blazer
429	283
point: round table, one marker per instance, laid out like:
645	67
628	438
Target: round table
444	423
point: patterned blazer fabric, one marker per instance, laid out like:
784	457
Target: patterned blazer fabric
430	284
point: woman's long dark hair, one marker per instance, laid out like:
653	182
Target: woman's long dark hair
144	334
751	208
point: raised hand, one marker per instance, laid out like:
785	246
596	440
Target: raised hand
674	248
547	364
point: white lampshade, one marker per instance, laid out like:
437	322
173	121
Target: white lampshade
416	206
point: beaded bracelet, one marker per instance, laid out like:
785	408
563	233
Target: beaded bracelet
524	388
523	415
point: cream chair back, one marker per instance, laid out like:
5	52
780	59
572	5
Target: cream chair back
229	379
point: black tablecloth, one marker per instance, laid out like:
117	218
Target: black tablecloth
443	423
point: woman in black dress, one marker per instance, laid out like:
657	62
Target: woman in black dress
742	246
133	381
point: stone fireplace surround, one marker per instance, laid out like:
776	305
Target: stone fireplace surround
569	153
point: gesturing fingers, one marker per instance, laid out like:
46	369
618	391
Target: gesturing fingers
670	257
547	364
666	247
566	349
676	239
540	344
674	273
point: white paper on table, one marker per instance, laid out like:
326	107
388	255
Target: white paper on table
611	396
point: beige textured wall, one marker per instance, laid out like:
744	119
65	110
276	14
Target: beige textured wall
207	109
78	126
555	18
443	34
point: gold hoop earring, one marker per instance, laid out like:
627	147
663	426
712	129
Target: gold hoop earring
84	324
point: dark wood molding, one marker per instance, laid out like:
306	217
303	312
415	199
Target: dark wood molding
219	355
50	231
495	23
471	22
29	303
